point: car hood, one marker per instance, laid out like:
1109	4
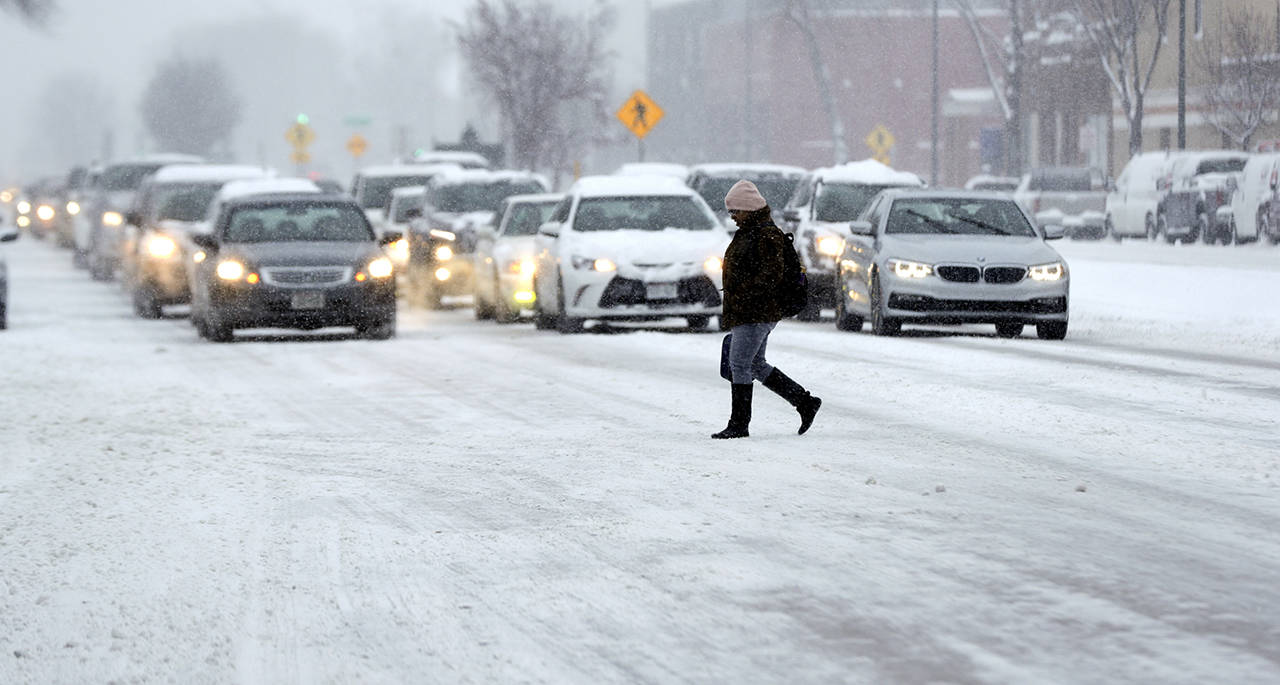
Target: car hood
649	247
936	249
304	253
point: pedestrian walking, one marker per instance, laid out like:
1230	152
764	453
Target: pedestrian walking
753	270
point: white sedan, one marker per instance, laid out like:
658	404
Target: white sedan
504	258
951	257
632	249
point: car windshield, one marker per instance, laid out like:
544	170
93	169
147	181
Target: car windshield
187	202
126	177
526	217
400	208
297	222
641	214
776	190
1221	166
958	216
487	196
841	202
376	190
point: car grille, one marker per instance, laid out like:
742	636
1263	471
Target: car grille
922	303
306	276
959	274
1003	274
628	291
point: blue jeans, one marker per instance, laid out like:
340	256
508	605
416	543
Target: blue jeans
746	352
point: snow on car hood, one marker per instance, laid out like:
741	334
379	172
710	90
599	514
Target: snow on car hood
935	249
672	246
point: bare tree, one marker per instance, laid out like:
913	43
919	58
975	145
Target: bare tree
1115	27
1004	58
1243	75
533	61
189	106
798	11
72	115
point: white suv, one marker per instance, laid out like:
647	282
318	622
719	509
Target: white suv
629	248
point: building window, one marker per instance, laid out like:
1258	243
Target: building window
1198	19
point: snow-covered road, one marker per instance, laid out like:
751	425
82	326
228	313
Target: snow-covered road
476	503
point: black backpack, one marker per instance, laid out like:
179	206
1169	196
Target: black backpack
793	291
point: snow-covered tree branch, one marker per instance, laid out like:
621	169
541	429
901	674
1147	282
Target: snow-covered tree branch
1243	71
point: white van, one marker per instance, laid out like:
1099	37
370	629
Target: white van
1252	191
1134	198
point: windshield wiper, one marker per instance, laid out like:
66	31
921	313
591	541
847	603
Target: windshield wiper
980	224
942	225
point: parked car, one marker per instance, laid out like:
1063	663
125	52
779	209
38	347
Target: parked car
372	186
443	238
1195	186
1072	197
818	215
307	261
505	257
999	184
628	249
42	207
777	182
7	234
156	242
99	226
1243	224
1134	199
950	257
68	205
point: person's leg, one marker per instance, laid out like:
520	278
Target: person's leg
744	347
774	379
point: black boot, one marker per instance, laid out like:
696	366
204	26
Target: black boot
741	415
799	398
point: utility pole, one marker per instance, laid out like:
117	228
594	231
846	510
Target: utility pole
1182	74
933	176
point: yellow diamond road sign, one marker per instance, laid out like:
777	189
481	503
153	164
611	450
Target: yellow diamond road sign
880	140
356	145
300	136
640	114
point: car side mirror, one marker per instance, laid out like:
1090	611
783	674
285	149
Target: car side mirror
390	237
205	242
1054	232
413	213
861	228
550	229
133	219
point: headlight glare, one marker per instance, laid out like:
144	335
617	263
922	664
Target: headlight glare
1047	272
586	263
522	267
73	208
24	221
230	270
112	219
444	253
903	268
161	247
399	251
381	268
829	246
713	264
45	212
24	207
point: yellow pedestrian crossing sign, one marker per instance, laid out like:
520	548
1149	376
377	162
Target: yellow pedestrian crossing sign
640	114
357	144
881	141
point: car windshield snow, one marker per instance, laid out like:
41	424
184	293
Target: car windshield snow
776	190
297	222
460	198
840	202
958	216
641	214
526	217
185	202
126	177
377	189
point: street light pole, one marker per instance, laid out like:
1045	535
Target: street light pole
1182	74
933	176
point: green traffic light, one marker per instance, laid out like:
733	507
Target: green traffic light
304	119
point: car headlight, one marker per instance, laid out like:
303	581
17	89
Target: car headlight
73	208
444	253
45	213
399	251
381	268
24	207
6	196
713	264
1048	272
230	270
24	221
112	219
586	263
443	235
522	267
829	245
903	268
161	247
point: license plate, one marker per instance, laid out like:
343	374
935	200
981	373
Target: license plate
308	300
661	291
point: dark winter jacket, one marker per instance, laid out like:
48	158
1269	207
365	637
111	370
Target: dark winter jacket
753	267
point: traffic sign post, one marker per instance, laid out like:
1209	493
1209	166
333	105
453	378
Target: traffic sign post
300	135
640	114
881	141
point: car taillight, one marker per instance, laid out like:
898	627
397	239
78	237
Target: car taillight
1035	206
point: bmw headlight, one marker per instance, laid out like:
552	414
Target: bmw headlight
112	219
1048	272
829	246
381	268
903	268
586	263
161	247
230	270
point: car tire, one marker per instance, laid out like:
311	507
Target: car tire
98	271
217	330
1208	234
1265	228
565	324
1149	225
1051	330
144	302
698	323
4	316
881	324
844	320
1109	229
1009	329
483	310
1162	228
378	329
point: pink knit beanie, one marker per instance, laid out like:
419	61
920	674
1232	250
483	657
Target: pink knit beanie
745	197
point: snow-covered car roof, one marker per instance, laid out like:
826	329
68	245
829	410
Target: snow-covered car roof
424	170
263	186
473	159
988	179
866	172
629	186
749	168
465	176
653	169
165	158
535	198
408	191
198	173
